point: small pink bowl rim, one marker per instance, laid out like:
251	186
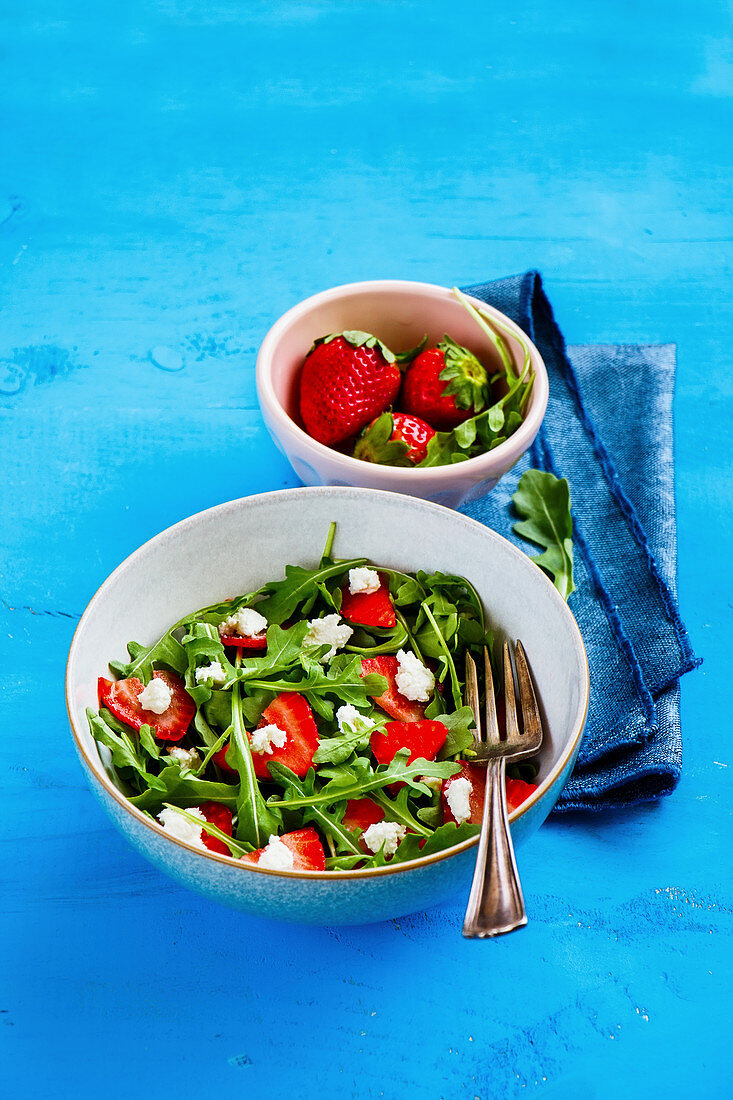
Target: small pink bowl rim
480	466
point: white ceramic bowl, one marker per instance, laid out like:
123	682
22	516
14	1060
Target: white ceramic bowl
237	547
399	313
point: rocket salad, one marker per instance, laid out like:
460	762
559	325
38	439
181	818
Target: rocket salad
315	723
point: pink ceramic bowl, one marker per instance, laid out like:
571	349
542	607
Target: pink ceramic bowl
399	313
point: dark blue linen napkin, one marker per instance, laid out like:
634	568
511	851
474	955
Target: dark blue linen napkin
608	430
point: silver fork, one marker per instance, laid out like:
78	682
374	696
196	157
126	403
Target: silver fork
495	904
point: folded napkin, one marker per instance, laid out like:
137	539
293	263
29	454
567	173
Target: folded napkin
608	430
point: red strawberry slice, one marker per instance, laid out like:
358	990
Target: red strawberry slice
121	698
516	792
359	815
292	713
221	816
368	608
308	853
347	379
423	739
395	704
445	385
236	640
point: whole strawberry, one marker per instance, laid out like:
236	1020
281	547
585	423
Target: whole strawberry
445	385
347	379
394	439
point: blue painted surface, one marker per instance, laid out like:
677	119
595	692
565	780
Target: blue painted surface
175	175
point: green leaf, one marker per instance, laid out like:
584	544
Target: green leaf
203	646
284	650
235	850
358	780
166	651
299	586
256	821
461	726
327	820
124	749
185	789
544	502
446	836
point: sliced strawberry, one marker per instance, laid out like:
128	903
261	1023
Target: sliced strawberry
359	815
516	792
395	704
221	816
308	853
121	698
368	608
423	739
236	640
292	713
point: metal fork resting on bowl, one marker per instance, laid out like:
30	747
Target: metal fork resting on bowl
495	904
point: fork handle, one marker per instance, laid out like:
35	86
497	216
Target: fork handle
495	904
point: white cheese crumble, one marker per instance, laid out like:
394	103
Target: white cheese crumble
187	758
264	738
351	720
385	835
247	623
363	579
212	673
457	794
155	697
413	679
181	828
276	856
328	631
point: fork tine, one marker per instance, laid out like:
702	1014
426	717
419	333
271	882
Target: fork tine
530	711
492	725
512	725
472	696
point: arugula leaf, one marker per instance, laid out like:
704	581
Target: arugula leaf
341	679
328	821
202	646
398	809
284	650
166	651
124	751
283	598
461	726
358	779
544	502
185	789
445	836
255	820
235	850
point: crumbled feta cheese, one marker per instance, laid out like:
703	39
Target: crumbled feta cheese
276	856
328	631
181	828
457	794
247	623
413	679
155	697
187	758
363	579
385	835
212	673
263	739
432	782
351	720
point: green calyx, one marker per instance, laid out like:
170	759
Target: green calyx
375	444
359	339
466	376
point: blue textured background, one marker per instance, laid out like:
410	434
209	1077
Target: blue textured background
174	175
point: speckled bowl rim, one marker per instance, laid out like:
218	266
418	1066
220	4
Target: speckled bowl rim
336	876
481	464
